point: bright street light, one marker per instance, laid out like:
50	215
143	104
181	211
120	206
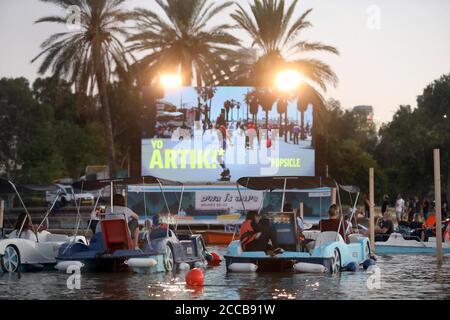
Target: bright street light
288	80
171	80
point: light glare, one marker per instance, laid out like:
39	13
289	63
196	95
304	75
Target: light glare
171	80
288	80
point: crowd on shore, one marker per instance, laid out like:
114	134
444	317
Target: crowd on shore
414	217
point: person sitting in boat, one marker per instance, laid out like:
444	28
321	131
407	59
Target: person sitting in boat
349	229
24	222
384	227
132	218
416	227
257	237
333	223
159	230
404	226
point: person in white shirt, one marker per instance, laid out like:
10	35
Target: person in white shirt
399	207
23	222
132	218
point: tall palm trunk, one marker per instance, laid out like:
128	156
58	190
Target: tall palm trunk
106	112
302	126
281	123
285	126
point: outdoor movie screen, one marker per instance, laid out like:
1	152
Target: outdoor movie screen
222	134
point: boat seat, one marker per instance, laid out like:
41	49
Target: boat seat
116	235
327	237
311	234
353	238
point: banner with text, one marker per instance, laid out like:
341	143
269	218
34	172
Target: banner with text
224	200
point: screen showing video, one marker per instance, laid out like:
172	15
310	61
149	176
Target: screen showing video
224	133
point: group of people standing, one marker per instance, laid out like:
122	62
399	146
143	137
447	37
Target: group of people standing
410	207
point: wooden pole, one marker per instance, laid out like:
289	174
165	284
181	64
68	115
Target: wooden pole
372	210
333	196
326	171
2	212
438	202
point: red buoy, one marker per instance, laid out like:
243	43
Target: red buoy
216	260
195	277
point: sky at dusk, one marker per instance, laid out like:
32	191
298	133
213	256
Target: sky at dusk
390	50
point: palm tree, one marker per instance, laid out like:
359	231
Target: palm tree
282	105
86	56
207	94
227	105
183	40
266	98
238	107
251	100
275	32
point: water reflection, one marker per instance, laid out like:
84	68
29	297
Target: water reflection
402	277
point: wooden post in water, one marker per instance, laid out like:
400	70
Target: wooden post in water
438	202
2	212
372	210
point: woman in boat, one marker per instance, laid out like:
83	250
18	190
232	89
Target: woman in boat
23	222
255	236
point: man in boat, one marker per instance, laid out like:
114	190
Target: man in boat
255	236
333	223
119	208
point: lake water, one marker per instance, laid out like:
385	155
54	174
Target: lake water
401	277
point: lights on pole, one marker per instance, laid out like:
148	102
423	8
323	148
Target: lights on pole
288	80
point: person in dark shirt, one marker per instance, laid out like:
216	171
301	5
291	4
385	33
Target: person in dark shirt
384	228
425	207
416	227
403	225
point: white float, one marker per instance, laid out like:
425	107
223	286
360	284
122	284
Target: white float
184	266
141	262
242	267
64	265
309	267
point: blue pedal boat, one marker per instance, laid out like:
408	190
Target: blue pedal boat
111	248
327	249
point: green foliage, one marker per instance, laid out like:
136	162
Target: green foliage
406	143
41	137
